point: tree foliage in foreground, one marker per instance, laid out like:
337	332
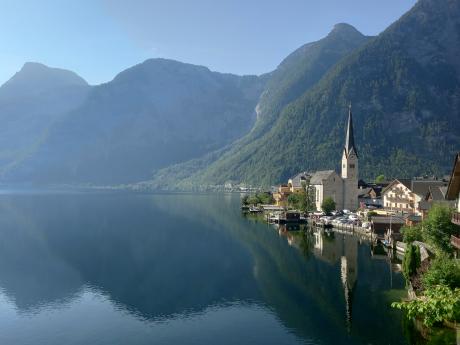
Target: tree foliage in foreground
439	303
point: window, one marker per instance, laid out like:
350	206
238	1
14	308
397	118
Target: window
344	166
352	166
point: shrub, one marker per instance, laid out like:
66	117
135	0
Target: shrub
371	214
437	228
328	205
443	271
437	305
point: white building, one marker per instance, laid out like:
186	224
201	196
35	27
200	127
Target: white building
342	189
408	196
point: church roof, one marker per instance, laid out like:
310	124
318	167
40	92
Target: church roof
319	176
350	137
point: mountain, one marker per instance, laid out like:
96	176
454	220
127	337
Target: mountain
301	70
30	102
404	86
296	74
154	114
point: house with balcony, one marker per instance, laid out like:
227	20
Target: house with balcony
453	193
406	196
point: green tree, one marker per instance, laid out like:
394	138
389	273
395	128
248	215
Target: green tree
265	198
411	261
294	200
380	179
412	233
438	228
328	205
253	200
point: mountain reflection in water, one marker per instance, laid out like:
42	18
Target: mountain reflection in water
181	269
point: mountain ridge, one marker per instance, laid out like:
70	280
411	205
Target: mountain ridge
403	85
149	116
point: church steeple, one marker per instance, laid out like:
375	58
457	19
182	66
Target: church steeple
350	170
350	138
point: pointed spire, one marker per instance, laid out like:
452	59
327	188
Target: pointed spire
350	138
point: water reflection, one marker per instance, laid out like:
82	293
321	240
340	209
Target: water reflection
151	266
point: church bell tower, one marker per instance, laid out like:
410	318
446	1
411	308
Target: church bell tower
350	168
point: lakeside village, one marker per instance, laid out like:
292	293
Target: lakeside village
416	220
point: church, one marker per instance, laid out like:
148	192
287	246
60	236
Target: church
343	188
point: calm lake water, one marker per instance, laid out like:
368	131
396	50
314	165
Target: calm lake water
183	269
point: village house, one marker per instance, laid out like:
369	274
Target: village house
343	188
370	194
406	196
453	194
436	194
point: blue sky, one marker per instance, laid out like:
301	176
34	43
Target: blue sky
99	38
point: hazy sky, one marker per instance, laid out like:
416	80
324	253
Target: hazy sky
99	38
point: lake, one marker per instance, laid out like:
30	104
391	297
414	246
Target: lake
113	268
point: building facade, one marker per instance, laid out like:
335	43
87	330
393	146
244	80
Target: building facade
412	196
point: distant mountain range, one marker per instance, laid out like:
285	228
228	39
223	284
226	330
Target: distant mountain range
180	126
152	115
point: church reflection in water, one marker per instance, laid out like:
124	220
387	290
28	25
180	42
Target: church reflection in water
341	249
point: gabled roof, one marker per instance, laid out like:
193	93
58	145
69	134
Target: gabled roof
297	179
422	187
364	192
453	188
419	187
319	176
405	182
437	192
